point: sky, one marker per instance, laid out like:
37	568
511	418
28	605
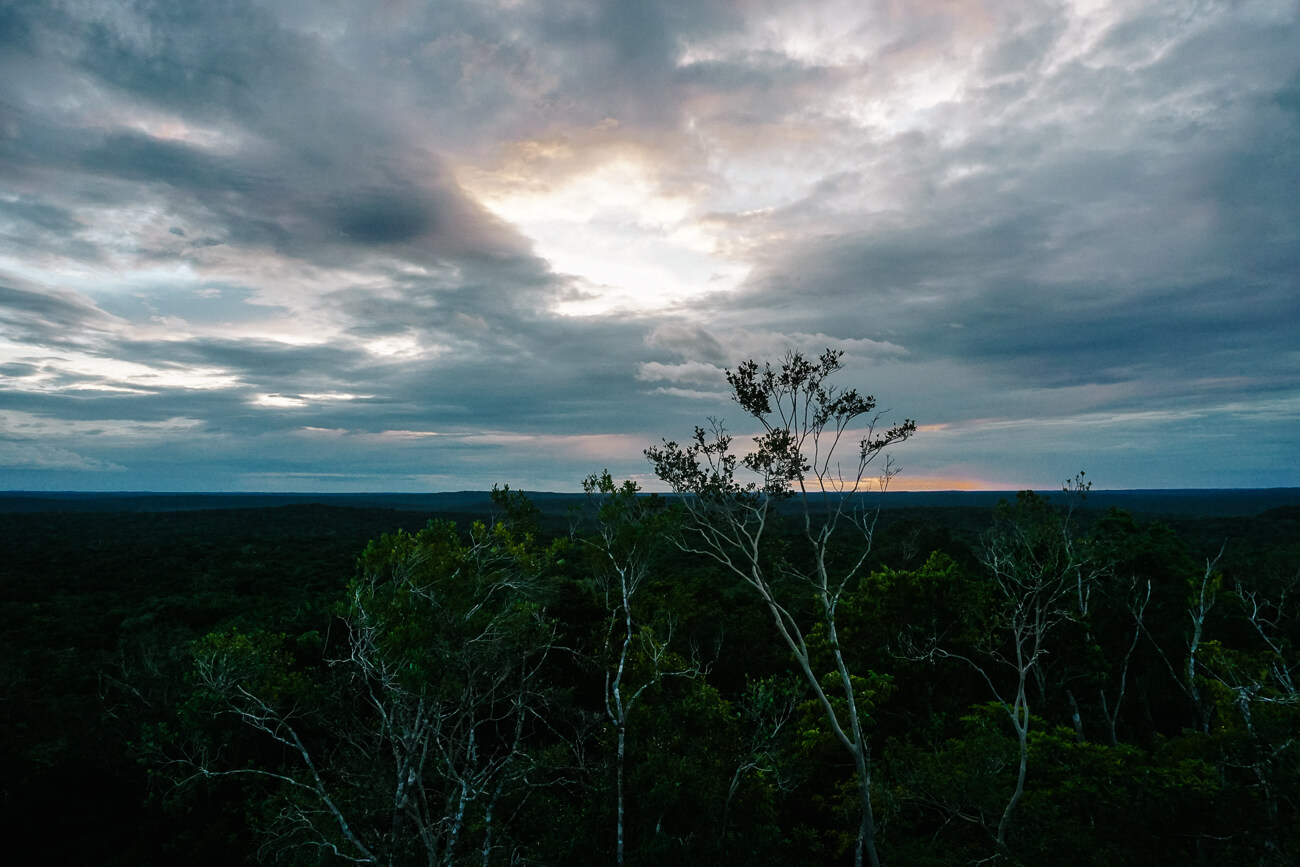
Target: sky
308	245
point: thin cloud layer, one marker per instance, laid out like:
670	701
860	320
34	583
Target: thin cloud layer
291	246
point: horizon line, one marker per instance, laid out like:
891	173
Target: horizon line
392	493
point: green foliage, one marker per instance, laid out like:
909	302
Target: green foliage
204	648
796	406
936	602
1087	804
797	394
412	739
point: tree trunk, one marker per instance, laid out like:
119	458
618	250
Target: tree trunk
622	741
1022	731
1076	717
867	827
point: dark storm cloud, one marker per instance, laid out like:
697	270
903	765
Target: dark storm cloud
247	135
690	341
251	359
40	215
256	232
17	370
266	200
502	368
306	157
91	404
138	157
956	293
31	227
46	317
1073	254
384	218
15	30
211	59
537	375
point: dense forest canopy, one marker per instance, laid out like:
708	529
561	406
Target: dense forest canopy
104	611
756	671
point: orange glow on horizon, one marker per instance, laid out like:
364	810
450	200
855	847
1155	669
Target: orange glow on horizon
905	482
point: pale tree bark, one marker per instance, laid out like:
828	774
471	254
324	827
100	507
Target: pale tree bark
1041	577
1137	602
1204	597
1265	680
767	708
216	672
624	544
432	726
803	423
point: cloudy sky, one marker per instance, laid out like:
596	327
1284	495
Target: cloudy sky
307	245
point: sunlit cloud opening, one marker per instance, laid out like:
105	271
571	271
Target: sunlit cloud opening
403	346
279	401
76	371
296	401
1056	233
630	242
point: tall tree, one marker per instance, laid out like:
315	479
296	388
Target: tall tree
417	734
1040	576
636	659
797	456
